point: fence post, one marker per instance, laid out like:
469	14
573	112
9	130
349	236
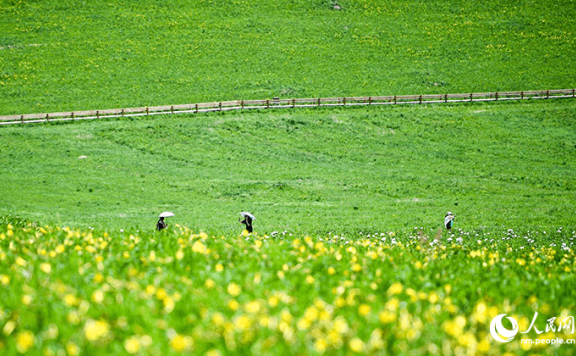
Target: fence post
420	99
496	95
172	109
196	108
369	100
394	99
522	94
22	118
72	114
344	101
97	114
445	98
318	101
294	103
220	105
267	103
471	97
47	118
122	112
547	94
242	103
147	111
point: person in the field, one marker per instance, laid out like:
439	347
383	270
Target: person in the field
247	221
449	221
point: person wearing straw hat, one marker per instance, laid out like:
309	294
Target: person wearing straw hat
248	218
161	224
449	221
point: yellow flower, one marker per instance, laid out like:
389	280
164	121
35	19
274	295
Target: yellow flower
20	261
480	313
340	325
4	279
150	289
395	288
96	329
9	327
320	345
59	248
219	267
387	317
280	274
209	283
218	319
273	301
392	304
45	267
213	352
73	317
356	267
199	247
169	304
26	299
310	279
72	349
161	294
24	341
364	309
331	271
98	296
242	322
179	255
303	324
234	290
181	343
311	313
233	305
484	346
132	345
356	345
252	307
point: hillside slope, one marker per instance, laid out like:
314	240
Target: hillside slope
63	56
507	165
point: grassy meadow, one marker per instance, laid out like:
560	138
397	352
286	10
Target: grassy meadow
507	165
349	255
61	55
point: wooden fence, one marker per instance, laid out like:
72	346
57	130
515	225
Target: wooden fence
286	103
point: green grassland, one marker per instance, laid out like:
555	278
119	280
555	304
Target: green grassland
61	55
361	263
343	170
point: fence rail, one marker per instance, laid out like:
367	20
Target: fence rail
287	103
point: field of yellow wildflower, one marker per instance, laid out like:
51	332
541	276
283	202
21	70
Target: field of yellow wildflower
89	292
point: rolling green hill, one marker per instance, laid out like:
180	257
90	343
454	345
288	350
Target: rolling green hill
61	55
342	170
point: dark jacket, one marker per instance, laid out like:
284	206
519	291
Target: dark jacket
248	222
161	224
